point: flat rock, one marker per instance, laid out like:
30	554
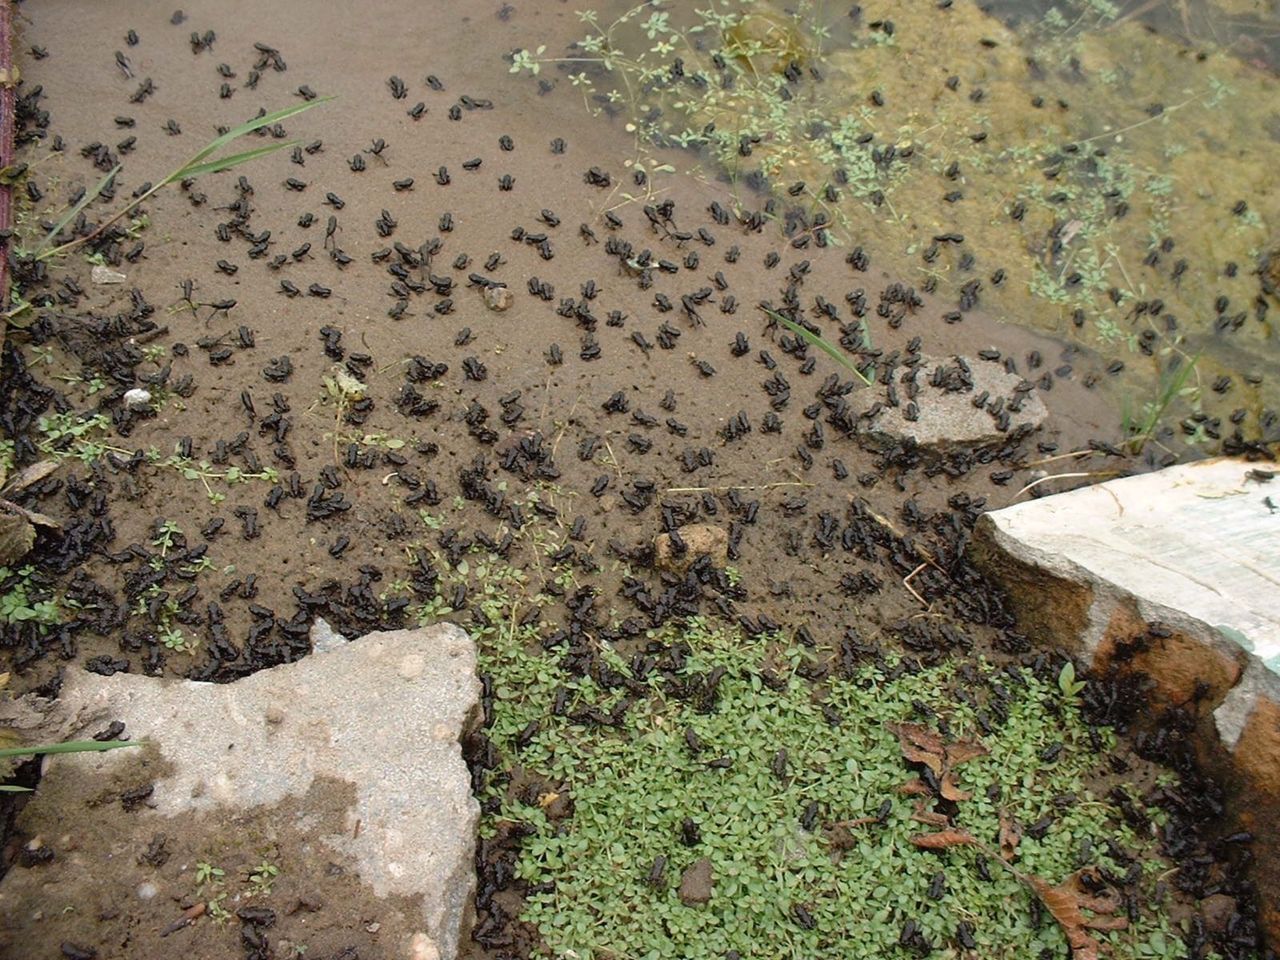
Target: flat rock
946	418
376	722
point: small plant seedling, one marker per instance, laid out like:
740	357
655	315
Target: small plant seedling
18	603
1068	683
174	639
206	872
216	910
263	876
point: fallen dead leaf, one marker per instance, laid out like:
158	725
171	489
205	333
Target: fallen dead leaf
919	744
1066	901
931	817
1010	836
944	839
947	787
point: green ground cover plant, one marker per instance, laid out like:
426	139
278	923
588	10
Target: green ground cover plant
886	810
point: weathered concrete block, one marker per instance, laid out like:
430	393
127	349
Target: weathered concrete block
1171	575
377	721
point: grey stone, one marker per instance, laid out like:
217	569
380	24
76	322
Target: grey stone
323	637
498	297
946	417
384	713
1238	705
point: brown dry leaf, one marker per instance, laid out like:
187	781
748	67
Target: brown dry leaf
914	788
1106	923
962	750
1010	835
931	817
949	790
943	839
1065	902
921	745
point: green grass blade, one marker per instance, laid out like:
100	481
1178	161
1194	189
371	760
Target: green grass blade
249	126
71	214
71	746
824	345
233	160
1167	393
12	789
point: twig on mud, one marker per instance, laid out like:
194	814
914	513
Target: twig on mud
613	461
1077	454
906	582
1066	476
738	486
8	95
188	917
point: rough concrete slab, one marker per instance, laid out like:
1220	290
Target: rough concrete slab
1198	538
946	415
1174	576
383	714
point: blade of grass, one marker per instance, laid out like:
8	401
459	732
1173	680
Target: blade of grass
1167	393
824	345
71	746
84	201
266	120
234	160
197	165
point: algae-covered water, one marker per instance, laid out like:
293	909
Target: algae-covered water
1101	172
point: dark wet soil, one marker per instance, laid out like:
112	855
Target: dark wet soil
88	880
627	417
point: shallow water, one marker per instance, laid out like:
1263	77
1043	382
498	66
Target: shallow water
1107	165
